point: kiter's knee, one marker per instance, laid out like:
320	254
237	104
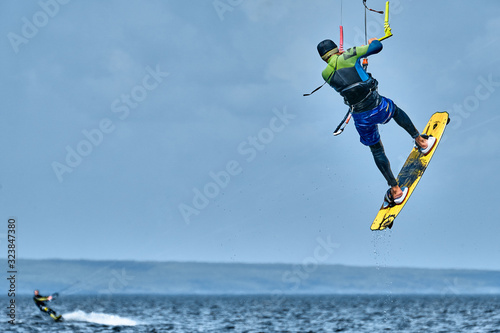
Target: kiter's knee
377	148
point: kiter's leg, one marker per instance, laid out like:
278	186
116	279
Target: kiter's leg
384	166
404	121
49	311
53	314
383	163
369	136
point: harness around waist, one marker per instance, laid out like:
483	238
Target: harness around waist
358	92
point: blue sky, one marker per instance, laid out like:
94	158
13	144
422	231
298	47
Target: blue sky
175	130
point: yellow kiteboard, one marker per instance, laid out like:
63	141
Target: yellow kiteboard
412	171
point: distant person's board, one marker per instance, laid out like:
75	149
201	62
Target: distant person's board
412	171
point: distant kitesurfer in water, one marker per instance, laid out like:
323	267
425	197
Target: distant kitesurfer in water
346	75
40	301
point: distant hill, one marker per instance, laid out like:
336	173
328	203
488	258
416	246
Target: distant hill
131	277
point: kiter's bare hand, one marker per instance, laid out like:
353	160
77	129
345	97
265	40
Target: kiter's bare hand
371	40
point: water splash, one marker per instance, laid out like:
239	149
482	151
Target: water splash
99	318
382	247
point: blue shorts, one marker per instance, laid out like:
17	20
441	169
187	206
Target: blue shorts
367	122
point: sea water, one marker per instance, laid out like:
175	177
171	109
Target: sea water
326	313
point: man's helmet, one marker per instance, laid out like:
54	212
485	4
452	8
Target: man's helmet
327	48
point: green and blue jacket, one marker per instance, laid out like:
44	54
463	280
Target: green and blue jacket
346	75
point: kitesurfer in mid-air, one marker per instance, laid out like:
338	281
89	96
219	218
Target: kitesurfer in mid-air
346	75
40	301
